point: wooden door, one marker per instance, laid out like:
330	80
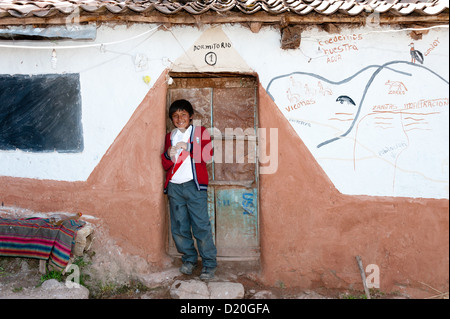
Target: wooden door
227	106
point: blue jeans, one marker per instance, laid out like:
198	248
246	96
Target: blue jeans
189	209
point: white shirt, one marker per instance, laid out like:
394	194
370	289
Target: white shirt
184	172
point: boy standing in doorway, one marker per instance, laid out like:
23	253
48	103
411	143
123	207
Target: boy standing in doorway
186	151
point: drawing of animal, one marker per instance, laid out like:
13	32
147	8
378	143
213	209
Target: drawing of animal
415	54
294	84
396	86
292	97
309	91
324	91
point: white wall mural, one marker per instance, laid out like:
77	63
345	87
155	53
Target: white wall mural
376	129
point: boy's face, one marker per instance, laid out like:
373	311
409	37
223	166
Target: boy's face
181	119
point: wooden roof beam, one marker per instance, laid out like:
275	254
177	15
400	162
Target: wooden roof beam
229	17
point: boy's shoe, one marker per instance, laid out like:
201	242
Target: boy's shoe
187	268
207	273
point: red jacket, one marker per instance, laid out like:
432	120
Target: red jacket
199	149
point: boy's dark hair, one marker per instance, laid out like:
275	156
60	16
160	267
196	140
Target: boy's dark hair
181	105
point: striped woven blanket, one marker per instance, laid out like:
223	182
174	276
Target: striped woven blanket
39	238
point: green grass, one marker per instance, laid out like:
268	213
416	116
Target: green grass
17	289
109	290
58	275
53	274
362	296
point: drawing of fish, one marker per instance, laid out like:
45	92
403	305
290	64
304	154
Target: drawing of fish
345	98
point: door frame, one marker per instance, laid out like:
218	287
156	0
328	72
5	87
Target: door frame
194	76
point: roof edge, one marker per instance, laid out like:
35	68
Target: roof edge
182	18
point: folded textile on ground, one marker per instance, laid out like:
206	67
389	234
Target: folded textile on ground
39	238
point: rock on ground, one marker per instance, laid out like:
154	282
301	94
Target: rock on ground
50	289
264	294
226	290
157	279
196	289
190	289
310	295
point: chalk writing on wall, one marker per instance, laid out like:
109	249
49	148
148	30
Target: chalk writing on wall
210	50
211	58
337	47
396	87
247	204
433	46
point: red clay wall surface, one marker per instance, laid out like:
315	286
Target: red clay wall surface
310	233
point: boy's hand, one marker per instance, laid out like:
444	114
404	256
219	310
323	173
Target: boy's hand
181	145
172	151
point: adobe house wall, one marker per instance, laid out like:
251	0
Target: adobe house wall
310	233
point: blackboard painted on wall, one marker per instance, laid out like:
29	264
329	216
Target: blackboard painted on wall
41	113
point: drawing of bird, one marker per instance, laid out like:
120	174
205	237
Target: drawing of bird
415	54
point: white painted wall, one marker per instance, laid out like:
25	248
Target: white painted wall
111	89
379	155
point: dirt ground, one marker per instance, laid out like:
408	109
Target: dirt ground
19	274
109	273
